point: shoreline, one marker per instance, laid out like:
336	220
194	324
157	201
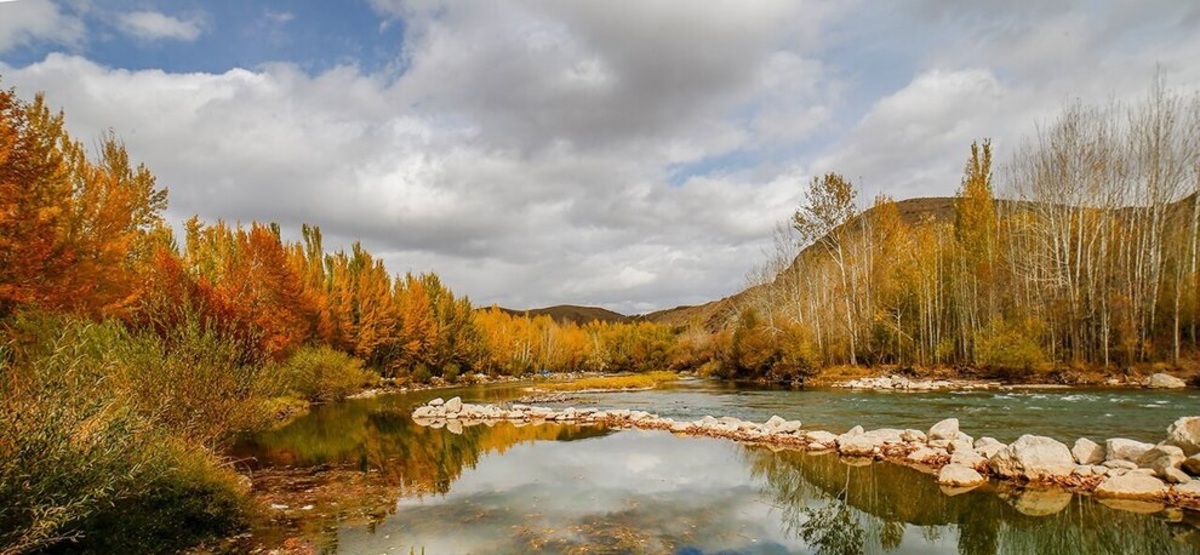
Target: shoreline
1121	472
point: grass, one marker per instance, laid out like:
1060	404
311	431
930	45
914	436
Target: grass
633	381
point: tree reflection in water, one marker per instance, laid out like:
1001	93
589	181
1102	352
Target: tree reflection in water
839	508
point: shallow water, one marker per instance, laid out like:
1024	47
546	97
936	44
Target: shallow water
571	489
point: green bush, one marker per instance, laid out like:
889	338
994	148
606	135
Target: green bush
1010	346
321	374
93	434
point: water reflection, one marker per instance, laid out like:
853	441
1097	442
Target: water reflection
361	477
842	508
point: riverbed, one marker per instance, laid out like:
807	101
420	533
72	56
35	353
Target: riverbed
361	477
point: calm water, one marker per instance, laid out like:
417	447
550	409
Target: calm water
374	482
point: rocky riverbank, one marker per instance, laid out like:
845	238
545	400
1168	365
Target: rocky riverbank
903	383
1154	475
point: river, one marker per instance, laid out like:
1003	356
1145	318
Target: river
361	477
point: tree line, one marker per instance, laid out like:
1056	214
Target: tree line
1087	258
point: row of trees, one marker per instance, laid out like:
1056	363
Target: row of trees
88	238
1092	258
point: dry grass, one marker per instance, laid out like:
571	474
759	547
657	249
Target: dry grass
632	381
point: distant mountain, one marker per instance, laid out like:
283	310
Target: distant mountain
570	313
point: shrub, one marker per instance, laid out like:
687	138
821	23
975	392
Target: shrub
84	446
322	374
1010	346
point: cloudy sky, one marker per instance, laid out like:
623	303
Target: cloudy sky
633	154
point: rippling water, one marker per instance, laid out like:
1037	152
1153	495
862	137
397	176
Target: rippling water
385	485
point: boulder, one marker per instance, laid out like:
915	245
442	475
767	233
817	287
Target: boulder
1162	457
914	436
1164	381
988	446
1121	449
1191	465
944	430
1189	492
955	475
855	431
1132	485
789	427
821	436
968	458
454	405
1175	476
1033	458
885	435
1185	434
1120	464
774	423
436	402
923	455
861	445
423	412
1087	451
960	445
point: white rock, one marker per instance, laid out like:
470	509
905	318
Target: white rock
861	445
960	445
923	455
1185	434
885	436
969	458
1164	381
1175	476
988	446
1120	464
454	405
1087	451
944	430
855	431
1188	490
1033	458
1121	449
914	436
959	475
1162	457
774	423
1132	485
820	436
422	412
436	402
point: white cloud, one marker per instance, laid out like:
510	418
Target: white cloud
151	25
536	152
27	21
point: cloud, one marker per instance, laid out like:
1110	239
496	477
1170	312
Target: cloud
632	154
152	26
26	21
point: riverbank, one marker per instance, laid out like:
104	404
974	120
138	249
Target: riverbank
1121	472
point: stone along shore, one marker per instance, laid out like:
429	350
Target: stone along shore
1166	473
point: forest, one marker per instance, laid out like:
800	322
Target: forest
129	356
1081	255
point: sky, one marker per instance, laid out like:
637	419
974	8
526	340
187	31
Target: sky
631	154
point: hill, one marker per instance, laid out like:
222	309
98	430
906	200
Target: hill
573	314
715	314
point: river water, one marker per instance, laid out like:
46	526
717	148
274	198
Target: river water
361	477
